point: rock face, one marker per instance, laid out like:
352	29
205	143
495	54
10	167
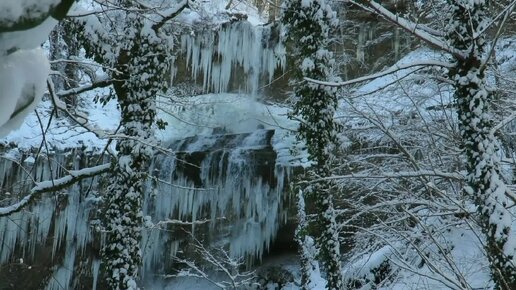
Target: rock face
226	189
230	181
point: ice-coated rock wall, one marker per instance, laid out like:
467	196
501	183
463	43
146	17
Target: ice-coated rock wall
226	189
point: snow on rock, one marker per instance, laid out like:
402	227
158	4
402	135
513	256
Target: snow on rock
26	39
364	268
13	10
214	11
22	78
23	66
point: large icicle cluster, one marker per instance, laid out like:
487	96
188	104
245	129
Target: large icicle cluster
63	230
243	207
216	55
485	184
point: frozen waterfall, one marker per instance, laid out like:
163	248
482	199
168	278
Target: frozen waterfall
216	56
229	185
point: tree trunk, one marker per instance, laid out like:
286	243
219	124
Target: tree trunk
144	74
308	24
484	181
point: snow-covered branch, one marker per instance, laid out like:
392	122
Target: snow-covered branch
221	262
503	123
401	174
172	14
79	119
55	185
75	91
506	13
184	223
389	71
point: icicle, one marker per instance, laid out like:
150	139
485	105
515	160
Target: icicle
95	267
173	70
41	223
231	190
237	44
62	277
154	243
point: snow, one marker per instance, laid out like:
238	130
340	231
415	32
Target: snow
401	101
247	115
364	266
23	66
26	39
202	115
22	78
13	10
415	29
62	133
422	55
214	11
466	253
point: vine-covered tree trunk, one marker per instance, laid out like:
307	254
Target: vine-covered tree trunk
63	45
307	250
144	69
308	23
484	181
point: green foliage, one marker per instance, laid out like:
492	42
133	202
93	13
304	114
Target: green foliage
162	125
307	25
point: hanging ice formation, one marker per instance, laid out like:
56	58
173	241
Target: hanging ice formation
231	183
216	55
56	230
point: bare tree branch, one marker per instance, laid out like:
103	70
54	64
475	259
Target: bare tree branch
389	71
182	6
